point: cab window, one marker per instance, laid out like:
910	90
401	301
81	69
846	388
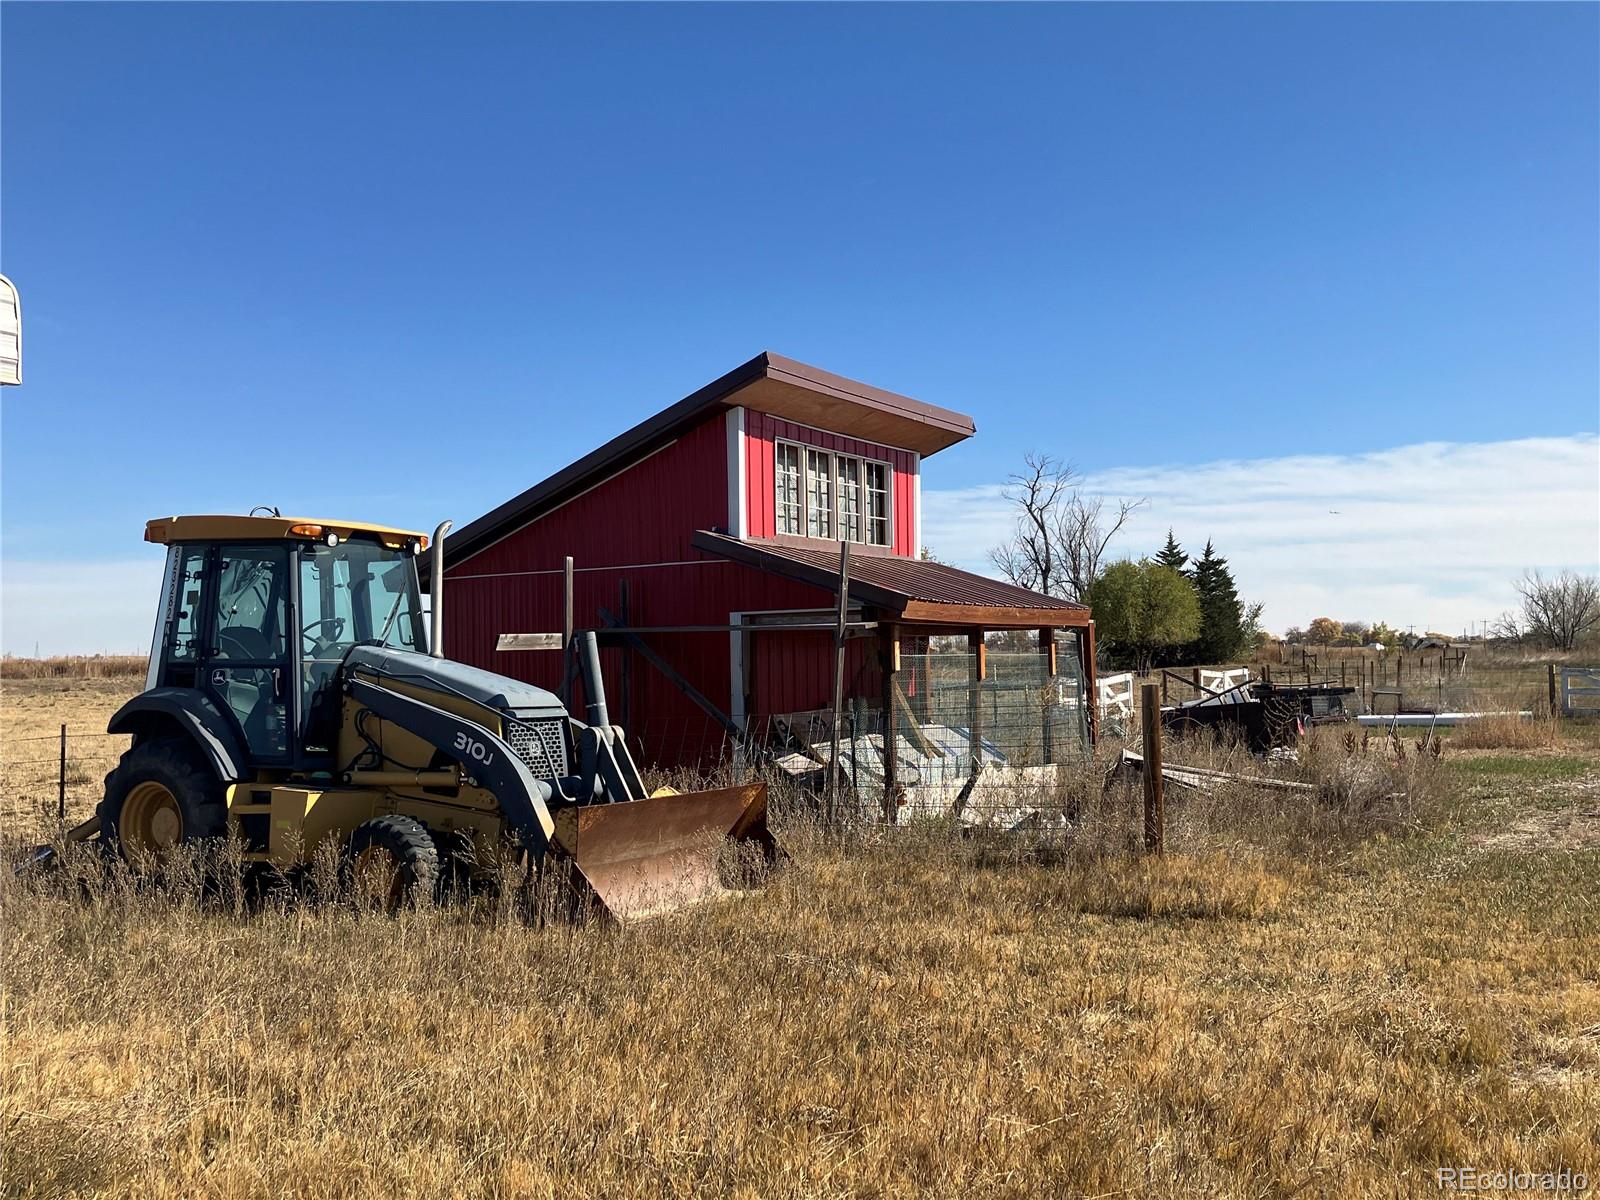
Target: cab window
183	636
356	592
251	604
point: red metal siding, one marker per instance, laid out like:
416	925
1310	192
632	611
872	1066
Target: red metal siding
762	429
646	513
793	672
905	501
636	527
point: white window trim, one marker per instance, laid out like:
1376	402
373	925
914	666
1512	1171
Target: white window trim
801	499
916	504
738	500
836	493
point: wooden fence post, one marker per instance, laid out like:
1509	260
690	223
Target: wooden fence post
834	772
889	655
1155	817
569	654
625	674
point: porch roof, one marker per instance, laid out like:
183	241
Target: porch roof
910	590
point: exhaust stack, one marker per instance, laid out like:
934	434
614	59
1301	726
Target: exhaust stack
594	688
436	591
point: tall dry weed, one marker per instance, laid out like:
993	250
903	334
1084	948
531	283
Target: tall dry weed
74	666
1507	733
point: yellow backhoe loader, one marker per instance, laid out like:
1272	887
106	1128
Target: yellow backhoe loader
293	701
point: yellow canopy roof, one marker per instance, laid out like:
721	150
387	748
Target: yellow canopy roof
226	527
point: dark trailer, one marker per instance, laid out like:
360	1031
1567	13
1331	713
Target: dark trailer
1264	715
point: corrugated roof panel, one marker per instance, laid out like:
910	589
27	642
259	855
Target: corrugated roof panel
891	577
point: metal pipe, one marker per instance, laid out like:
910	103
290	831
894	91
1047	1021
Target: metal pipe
594	688
436	587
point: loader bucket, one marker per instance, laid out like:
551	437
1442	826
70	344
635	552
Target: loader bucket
646	857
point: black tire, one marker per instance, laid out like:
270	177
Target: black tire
411	873
172	765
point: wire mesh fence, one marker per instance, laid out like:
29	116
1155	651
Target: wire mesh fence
48	778
997	745
1389	684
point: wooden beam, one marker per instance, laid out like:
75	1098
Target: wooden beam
992	617
682	684
625	614
852	628
569	659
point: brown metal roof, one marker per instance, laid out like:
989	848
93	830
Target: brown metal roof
917	590
767	383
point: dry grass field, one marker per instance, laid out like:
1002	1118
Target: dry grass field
1323	997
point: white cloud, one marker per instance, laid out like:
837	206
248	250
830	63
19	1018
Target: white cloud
78	608
1429	535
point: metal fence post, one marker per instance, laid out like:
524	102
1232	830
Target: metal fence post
61	780
1555	697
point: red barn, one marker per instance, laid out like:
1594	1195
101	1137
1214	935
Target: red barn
709	535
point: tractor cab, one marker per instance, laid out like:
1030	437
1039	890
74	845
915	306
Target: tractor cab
257	613
295	700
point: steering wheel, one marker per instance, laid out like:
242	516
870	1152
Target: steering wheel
319	639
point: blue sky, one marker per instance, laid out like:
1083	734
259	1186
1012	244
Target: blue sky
402	261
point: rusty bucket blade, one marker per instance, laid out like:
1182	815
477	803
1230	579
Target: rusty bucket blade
645	857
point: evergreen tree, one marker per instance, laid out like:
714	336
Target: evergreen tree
1172	555
1222	632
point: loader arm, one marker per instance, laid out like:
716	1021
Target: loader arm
483	755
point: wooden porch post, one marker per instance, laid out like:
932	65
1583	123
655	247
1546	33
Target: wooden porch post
1091	685
1047	649
977	669
889	657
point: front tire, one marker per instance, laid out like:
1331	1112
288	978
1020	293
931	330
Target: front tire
162	795
391	861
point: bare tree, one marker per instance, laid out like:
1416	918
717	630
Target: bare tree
1061	534
1028	557
1561	609
1508	627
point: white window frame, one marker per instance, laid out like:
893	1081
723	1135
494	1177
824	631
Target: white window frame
830	460
781	505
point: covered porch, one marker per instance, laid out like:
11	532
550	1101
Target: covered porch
951	681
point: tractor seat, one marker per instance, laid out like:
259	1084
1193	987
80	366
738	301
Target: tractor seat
242	643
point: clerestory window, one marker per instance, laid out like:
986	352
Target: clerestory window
825	494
